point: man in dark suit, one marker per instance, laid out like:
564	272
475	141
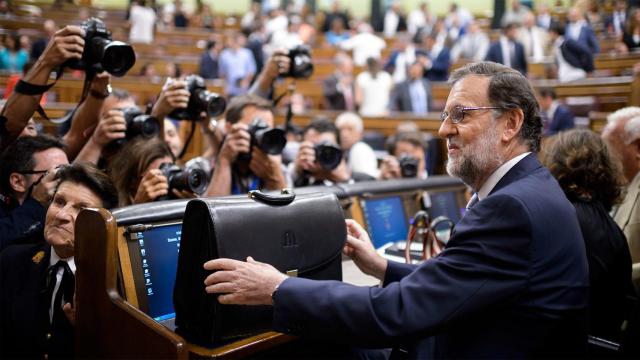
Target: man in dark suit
338	89
512	281
413	94
579	30
436	60
37	281
508	51
555	116
209	62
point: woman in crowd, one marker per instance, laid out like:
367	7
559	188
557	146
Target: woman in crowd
592	180
136	173
12	56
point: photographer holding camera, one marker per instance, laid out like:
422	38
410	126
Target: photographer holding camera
250	156
67	44
319	160
406	159
143	172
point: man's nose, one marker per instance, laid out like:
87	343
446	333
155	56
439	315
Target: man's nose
446	128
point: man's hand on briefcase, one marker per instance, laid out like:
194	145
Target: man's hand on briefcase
242	283
360	249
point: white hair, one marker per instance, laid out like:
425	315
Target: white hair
350	118
631	115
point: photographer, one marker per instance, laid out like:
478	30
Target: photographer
66	44
319	160
137	175
234	173
407	159
277	65
27	171
111	126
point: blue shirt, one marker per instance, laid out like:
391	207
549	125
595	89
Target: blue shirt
13	62
235	65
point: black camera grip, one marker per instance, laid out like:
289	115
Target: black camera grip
285	197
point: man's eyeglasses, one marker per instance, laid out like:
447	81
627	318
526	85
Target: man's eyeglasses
32	172
457	112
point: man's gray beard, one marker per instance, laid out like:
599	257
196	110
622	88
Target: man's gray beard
480	159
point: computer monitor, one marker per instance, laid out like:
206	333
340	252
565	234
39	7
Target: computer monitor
446	203
385	219
154	261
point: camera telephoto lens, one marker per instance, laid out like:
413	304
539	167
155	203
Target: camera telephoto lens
328	155
408	166
200	100
118	58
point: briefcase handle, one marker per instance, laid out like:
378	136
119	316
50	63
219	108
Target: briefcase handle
285	197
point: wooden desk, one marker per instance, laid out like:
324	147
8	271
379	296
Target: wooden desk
107	326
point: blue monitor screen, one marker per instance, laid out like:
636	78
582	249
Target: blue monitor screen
385	219
445	204
159	248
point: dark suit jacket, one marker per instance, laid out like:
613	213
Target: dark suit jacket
609	269
577	55
439	70
401	98
208	66
24	321
20	223
495	54
334	99
512	282
562	119
587	38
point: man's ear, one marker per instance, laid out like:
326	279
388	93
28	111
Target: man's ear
18	182
514	118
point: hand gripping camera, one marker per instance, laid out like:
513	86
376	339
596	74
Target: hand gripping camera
201	100
101	53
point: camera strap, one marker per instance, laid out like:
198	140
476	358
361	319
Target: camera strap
25	88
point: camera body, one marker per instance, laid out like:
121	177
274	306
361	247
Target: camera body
101	53
200	100
408	166
139	124
328	155
270	140
192	179
301	66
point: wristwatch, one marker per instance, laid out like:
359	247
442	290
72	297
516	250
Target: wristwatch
99	95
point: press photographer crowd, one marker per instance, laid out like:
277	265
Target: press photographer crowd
116	148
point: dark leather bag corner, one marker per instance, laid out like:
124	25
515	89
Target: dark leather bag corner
305	234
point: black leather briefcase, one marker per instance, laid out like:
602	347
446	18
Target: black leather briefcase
300	235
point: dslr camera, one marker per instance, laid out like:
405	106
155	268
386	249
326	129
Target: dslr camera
270	140
192	179
408	166
300	59
200	100
140	124
328	155
101	53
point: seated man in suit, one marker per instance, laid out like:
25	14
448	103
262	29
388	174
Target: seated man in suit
413	94
555	116
37	280
512	281
622	132
508	51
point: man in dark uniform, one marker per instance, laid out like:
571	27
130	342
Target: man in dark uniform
37	281
27	170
